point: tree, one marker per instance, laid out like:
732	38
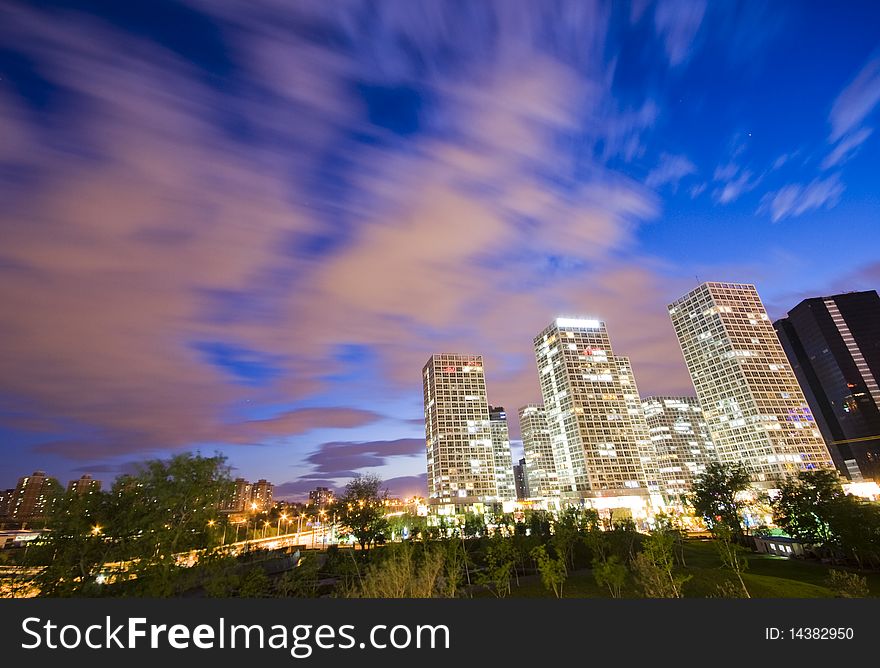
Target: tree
805	506
404	570
714	496
142	527
500	560
77	549
566	534
552	570
610	573
855	525
361	510
730	554
653	567
474	525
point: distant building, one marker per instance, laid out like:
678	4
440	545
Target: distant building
321	497
833	344
5	498
32	498
505	489
85	485
540	470
520	480
261	495
681	441
752	402
240	500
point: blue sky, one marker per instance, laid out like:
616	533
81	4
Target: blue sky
244	228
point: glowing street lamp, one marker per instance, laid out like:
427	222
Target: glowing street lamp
96	530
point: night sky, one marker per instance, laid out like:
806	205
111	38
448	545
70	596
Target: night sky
244	227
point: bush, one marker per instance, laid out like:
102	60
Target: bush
847	585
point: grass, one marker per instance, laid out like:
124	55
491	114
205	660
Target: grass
767	576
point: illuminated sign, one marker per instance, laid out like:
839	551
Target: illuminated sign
578	322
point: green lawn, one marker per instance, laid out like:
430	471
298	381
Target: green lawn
766	577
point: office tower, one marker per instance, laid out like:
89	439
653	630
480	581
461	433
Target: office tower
85	485
505	489
520	481
751	400
833	344
645	446
540	471
592	434
320	497
681	441
458	434
33	497
261	495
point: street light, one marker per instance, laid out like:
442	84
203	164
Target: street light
281	517
96	530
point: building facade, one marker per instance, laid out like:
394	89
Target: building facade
84	485
520	480
505	489
833	345
682	444
321	497
261	495
540	469
756	411
240	499
593	435
33	497
458	434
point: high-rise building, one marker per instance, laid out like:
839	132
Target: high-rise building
33	497
505	489
833	344
261	495
520	481
84	485
751	400
540	471
682	444
458	434
645	446
321	497
592	432
5	498
240	499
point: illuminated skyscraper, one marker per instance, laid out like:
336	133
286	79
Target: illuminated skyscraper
593	434
751	400
540	473
505	489
645	446
458	434
682	444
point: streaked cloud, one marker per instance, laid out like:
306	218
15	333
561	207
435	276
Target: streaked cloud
857	101
670	171
796	199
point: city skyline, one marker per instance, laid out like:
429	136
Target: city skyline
245	232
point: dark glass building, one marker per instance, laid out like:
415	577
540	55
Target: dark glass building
833	344
520	481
